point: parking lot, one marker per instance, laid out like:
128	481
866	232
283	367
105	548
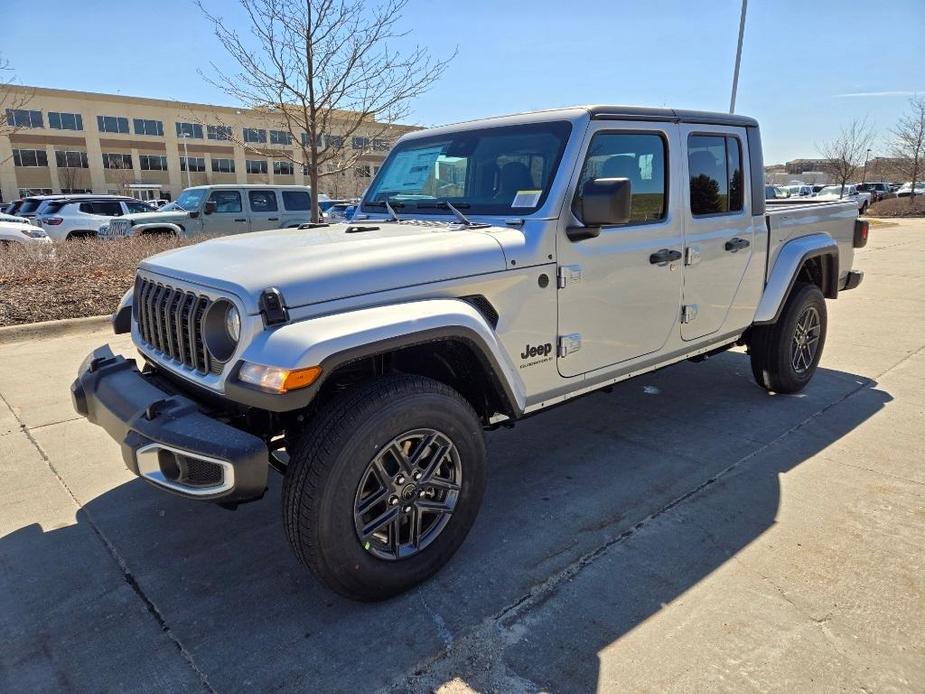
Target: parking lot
684	532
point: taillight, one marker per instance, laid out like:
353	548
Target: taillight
52	221
861	229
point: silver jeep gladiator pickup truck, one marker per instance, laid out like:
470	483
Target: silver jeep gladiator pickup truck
493	269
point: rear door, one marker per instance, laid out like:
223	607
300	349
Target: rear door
264	209
718	231
620	292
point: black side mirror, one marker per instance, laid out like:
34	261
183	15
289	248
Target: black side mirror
210	207
603	202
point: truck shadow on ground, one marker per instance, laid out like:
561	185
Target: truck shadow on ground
562	485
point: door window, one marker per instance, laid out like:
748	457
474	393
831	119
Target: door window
638	157
106	209
715	168
226	201
262	200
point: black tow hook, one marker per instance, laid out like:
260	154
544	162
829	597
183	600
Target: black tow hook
155	408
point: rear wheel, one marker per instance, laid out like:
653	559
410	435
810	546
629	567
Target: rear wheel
384	485
785	355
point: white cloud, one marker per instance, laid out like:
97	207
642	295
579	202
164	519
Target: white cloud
875	94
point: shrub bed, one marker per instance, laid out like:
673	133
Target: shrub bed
70	279
898	207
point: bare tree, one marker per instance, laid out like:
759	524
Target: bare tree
12	97
909	142
327	71
71	178
844	155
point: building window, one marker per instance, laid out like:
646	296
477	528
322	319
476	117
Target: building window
280	137
256	166
223	165
65	121
715	169
360	143
112	124
22	118
117	161
380	145
218	132
149	127
71	160
29	192
255	135
332	141
189	130
152	162
30	157
195	164
75	191
362	171
283	168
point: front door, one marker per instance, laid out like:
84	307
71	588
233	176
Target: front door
229	216
718	225
622	289
264	209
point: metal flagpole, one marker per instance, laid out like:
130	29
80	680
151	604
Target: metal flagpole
735	77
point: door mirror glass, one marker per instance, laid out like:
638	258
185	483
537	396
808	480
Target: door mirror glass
605	201
210	207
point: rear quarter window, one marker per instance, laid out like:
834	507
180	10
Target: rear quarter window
296	201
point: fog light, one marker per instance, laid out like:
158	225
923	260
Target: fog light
277	380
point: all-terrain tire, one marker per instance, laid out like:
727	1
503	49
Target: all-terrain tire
781	362
332	457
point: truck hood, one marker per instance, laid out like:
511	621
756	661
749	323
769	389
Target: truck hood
310	266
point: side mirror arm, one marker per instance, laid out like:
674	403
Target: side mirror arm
580	233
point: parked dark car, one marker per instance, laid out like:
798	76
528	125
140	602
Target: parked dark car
879	190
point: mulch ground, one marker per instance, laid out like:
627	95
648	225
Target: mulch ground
70	279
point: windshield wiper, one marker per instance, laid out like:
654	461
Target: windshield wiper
385	203
446	205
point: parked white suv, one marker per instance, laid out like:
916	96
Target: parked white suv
68	219
848	191
19	230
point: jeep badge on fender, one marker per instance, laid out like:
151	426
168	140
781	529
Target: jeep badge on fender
390	351
536	351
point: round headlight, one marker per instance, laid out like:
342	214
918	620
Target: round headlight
233	323
222	329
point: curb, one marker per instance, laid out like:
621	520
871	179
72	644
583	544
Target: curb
54	328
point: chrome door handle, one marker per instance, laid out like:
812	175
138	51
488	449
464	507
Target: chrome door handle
736	244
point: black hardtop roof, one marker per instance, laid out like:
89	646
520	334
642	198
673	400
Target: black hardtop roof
670	114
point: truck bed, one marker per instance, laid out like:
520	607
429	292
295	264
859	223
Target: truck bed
788	220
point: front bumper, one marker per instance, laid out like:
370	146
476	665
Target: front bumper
165	438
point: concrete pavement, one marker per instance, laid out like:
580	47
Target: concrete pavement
686	532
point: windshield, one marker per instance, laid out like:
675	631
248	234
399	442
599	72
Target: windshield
189	200
488	171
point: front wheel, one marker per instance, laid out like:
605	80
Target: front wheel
384	485
785	355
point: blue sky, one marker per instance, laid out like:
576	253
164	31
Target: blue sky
808	67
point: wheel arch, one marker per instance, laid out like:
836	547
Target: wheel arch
812	259
157	228
448	340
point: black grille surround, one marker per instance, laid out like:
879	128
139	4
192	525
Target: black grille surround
170	322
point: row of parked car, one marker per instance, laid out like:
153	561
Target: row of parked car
864	194
214	210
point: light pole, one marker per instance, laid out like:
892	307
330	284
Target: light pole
735	76
866	157
185	137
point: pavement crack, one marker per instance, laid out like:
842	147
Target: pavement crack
445	634
113	552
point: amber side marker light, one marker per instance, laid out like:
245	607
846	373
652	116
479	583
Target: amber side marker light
277	380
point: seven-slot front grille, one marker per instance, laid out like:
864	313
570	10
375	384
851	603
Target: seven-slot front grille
170	321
